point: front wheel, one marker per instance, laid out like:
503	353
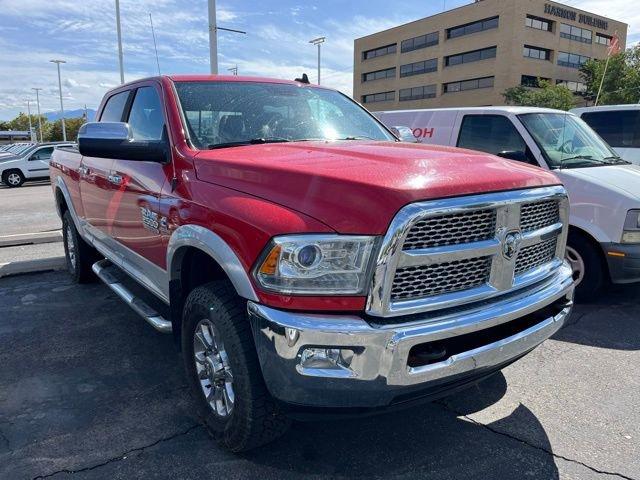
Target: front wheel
223	370
589	271
13	178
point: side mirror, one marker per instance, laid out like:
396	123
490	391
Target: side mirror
518	156
404	134
115	140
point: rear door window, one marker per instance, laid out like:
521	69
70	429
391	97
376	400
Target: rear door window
114	108
491	134
620	129
42	154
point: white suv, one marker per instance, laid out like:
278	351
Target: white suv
30	164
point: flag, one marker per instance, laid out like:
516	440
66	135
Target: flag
614	47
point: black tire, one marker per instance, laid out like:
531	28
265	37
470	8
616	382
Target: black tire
9	178
255	418
595	277
76	248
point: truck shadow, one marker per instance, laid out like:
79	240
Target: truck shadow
611	321
432	441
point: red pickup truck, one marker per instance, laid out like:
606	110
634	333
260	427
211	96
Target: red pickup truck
304	259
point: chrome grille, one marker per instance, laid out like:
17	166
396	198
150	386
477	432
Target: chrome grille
447	253
539	215
453	229
429	280
535	256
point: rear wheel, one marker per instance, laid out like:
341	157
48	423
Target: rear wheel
589	269
224	372
79	254
13	178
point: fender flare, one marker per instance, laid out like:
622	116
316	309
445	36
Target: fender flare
60	185
213	245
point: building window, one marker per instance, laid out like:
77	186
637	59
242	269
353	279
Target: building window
579	88
531	81
464	85
571	60
379	74
603	39
468	57
417	93
575	33
539	23
537	53
379	97
379	52
418	68
474	27
423	41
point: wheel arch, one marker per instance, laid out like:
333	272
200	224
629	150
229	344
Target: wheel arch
196	255
575	230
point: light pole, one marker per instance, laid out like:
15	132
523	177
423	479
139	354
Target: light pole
233	70
64	129
39	116
119	31
30	126
318	41
213	38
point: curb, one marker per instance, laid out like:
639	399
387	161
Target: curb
30	238
32	266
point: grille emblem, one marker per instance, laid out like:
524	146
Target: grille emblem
511	245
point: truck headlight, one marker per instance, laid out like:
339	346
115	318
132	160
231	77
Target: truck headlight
631	232
316	264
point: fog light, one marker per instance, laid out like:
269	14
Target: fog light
325	358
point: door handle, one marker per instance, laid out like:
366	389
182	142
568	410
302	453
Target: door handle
115	179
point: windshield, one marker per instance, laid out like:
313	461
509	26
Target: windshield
568	142
220	114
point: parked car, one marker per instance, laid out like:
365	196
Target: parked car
618	125
604	237
305	257
28	163
15	149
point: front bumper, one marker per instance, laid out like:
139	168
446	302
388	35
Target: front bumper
624	262
381	368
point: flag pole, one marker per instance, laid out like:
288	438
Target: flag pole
604	74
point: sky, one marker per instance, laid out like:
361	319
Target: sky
83	33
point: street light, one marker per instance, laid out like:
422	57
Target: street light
119	32
39	116
29	113
64	130
318	41
213	37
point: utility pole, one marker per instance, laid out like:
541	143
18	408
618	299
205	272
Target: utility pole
29	113
64	129
119	31
39	116
233	70
318	41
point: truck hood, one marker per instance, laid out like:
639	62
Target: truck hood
625	179
357	187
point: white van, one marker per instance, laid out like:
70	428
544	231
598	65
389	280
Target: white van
618	125
604	240
30	163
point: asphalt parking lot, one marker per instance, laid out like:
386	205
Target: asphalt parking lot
28	209
88	390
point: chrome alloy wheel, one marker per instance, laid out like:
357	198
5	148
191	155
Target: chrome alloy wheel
213	368
71	247
577	264
13	179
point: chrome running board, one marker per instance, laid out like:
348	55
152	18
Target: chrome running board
157	321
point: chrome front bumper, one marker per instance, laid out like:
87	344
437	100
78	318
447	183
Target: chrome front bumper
377	371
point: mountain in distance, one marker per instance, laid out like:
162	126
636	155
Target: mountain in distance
53	116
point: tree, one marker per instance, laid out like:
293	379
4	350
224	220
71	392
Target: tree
547	96
72	126
622	82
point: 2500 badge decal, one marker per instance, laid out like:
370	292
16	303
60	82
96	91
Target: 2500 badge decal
154	222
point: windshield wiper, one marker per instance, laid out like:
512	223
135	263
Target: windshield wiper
253	141
356	137
615	160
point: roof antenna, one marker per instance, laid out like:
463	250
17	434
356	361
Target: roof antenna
155	45
304	79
